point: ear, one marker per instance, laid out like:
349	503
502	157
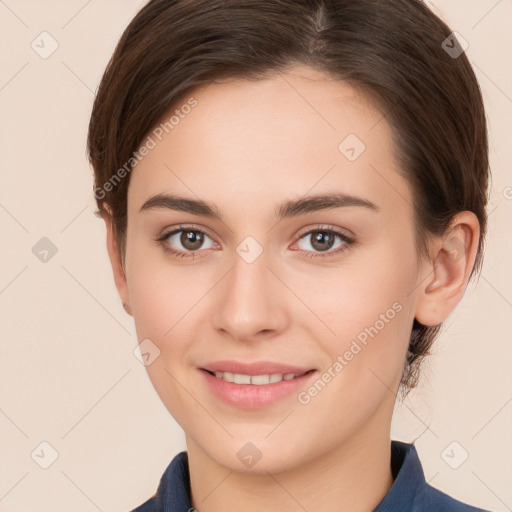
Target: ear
117	264
452	260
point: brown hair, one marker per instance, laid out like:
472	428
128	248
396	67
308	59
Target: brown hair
396	51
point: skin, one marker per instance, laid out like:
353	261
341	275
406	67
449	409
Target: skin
334	452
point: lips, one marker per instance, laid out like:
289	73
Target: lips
254	385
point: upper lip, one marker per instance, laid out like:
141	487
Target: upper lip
254	368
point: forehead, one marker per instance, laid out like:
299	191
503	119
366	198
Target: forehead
249	142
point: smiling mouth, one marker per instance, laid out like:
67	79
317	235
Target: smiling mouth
256	380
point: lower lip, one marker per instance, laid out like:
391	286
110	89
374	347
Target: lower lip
250	396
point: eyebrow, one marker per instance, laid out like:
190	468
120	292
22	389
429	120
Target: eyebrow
290	208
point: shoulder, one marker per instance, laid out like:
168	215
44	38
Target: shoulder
430	498
173	491
410	492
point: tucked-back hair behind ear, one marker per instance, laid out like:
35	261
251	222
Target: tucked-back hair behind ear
392	50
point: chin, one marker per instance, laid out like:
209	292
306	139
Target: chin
257	456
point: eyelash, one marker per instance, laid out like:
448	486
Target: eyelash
349	242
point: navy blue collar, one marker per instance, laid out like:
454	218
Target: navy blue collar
409	492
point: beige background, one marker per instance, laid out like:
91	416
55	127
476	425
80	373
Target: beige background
67	371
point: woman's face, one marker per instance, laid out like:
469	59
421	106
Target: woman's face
261	287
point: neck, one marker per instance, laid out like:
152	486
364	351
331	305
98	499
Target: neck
353	476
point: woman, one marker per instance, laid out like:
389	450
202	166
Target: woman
294	194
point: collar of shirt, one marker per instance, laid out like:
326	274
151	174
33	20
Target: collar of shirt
409	492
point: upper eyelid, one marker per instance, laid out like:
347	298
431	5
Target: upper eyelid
168	232
327	227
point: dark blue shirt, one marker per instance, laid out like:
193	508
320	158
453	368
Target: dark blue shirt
409	492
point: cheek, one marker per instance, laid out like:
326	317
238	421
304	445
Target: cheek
353	297
368	310
371	318
168	303
157	294
162	299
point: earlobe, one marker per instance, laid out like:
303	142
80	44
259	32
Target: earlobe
117	265
453	258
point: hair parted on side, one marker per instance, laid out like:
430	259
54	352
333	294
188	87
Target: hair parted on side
392	51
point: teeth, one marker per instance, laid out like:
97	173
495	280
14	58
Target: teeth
242	379
257	380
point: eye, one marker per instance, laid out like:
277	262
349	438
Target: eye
322	240
188	240
185	242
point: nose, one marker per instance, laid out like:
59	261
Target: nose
251	301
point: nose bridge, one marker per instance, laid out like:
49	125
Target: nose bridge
252	298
